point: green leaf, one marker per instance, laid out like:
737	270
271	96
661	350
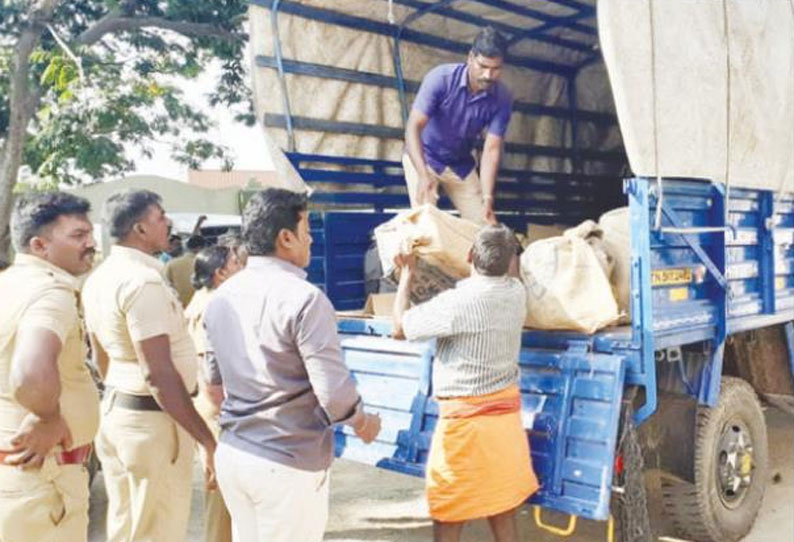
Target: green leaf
129	76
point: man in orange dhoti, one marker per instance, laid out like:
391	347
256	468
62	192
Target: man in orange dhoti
479	464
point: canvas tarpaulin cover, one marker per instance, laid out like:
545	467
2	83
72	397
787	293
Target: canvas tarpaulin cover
551	42
702	113
722	73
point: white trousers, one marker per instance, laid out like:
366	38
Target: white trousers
271	502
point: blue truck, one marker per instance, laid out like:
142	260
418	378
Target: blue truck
677	392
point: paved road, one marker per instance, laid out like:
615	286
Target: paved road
369	504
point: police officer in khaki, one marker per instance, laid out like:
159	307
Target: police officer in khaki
139	335
49	406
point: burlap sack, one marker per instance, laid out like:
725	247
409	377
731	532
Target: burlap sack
617	236
594	235
567	285
440	241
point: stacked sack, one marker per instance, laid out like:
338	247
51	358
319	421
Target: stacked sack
568	281
615	225
440	242
576	281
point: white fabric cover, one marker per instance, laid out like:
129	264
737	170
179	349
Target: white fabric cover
690	47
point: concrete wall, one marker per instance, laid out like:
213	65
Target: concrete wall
178	197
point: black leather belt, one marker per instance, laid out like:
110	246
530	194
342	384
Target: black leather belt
145	403
135	402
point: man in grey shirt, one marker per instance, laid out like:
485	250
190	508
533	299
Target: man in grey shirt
284	380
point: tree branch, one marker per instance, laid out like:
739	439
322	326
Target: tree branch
20	111
115	22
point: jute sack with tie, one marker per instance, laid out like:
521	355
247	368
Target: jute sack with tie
567	282
440	242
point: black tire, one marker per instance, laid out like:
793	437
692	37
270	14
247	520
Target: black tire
706	511
629	504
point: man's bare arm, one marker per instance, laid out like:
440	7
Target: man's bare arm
170	393
35	379
402	300
427	191
168	389
489	169
36	385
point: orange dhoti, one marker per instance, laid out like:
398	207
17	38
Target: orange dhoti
479	464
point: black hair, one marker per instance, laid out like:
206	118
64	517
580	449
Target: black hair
123	209
489	43
266	214
208	261
196	242
35	211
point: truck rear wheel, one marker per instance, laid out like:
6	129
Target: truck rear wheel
629	505
730	470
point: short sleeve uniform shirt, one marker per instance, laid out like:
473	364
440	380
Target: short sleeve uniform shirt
37	294
128	300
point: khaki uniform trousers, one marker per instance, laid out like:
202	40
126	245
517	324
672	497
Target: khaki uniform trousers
48	505
147	461
465	194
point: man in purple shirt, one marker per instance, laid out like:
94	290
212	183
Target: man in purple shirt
455	103
284	380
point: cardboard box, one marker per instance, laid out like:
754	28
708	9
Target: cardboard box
379	305
535	232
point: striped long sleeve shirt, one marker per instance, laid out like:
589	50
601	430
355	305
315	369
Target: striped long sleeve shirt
478	326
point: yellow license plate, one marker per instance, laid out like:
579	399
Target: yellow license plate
672	276
679	294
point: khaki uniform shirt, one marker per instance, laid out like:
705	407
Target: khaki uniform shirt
194	313
208	368
37	294
127	300
179	273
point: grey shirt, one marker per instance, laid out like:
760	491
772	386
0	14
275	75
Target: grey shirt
285	382
478	325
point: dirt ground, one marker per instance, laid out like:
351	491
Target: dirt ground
369	504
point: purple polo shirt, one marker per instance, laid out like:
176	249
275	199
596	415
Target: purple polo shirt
457	117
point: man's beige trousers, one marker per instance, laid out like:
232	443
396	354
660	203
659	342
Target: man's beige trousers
465	194
147	461
46	505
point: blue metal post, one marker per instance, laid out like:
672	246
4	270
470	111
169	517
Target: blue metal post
398	72
641	293
573	104
766	239
281	77
398	68
712	371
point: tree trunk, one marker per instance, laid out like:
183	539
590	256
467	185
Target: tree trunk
20	113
